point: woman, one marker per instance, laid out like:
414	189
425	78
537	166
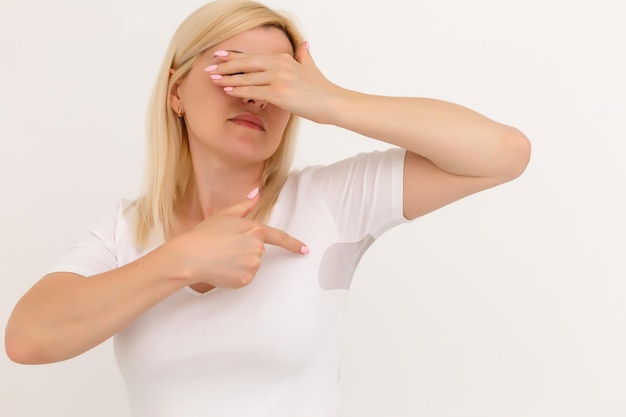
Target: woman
207	319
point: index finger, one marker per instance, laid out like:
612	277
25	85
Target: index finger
236	62
284	240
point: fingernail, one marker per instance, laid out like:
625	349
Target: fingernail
221	53
228	89
304	250
307	45
216	77
211	68
253	193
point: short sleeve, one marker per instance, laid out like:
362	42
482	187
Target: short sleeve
93	252
364	193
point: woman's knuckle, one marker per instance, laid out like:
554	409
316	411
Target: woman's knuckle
254	263
282	237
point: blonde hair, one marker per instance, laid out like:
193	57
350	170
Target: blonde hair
169	167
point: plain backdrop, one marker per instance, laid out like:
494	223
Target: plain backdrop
507	303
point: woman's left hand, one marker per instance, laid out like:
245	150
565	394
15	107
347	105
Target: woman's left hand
295	85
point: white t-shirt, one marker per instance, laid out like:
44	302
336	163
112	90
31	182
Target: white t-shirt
270	349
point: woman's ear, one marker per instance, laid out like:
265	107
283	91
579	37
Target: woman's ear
175	101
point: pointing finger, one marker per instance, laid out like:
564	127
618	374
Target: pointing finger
282	239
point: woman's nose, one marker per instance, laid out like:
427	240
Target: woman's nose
258	103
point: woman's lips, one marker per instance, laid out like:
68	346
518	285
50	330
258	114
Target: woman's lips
249	120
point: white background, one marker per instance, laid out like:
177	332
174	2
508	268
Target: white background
508	303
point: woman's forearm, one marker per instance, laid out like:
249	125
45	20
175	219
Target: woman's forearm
66	314
455	138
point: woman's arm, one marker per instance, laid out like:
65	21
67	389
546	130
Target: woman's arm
453	151
66	314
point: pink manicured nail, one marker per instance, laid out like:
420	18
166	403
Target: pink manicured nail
211	68
221	53
253	193
307	45
228	89
304	250
216	77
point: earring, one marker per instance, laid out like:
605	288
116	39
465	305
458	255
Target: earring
179	114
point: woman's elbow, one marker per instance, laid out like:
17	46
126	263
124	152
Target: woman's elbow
19	350
516	149
22	348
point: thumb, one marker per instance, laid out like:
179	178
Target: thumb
244	207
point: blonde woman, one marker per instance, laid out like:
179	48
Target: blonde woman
224	282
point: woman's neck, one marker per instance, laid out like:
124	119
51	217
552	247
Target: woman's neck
215	188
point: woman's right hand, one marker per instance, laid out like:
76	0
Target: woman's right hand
225	249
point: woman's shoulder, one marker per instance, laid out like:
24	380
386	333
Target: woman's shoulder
119	215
